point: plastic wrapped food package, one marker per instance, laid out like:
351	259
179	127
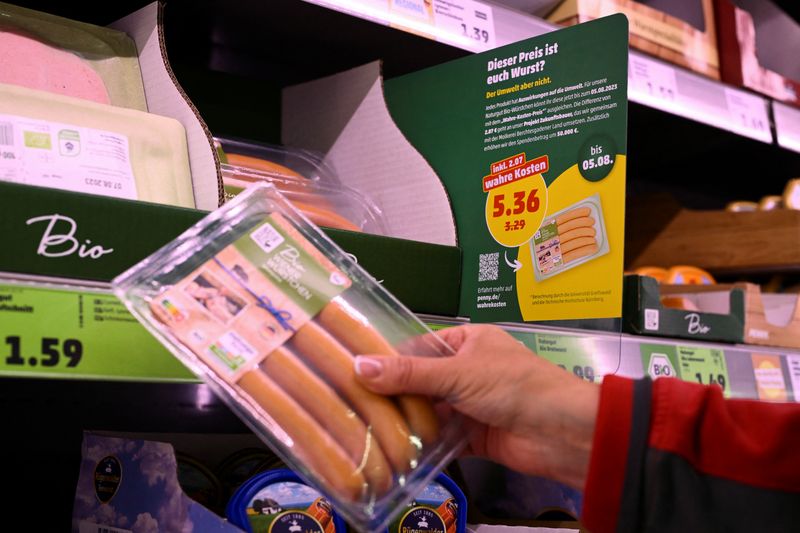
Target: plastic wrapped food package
269	312
77	145
54	54
304	178
280	160
333	206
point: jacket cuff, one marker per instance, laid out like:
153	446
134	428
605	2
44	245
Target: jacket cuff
609	457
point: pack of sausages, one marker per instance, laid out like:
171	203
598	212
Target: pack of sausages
269	312
304	178
569	238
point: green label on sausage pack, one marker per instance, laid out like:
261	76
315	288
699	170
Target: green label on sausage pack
250	297
293	265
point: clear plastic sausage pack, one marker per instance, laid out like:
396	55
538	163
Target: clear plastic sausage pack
269	312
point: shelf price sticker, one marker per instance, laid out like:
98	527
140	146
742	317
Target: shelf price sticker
465	23
769	377
517	199
705	366
787	125
793	362
652	81
660	361
581	356
748	112
60	333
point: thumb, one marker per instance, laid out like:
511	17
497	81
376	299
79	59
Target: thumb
405	374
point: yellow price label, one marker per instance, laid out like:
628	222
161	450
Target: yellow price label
515	211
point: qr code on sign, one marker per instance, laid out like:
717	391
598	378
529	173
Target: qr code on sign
488	266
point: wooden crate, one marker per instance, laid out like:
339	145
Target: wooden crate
721	242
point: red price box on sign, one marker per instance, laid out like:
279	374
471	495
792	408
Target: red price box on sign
517	199
509	162
539	165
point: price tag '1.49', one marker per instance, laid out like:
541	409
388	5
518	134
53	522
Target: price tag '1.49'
704	366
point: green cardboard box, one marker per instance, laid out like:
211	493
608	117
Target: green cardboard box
54	233
644	314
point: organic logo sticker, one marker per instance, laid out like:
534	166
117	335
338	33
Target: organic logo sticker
107	478
422	520
295	522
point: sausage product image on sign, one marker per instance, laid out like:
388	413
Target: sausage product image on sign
270	313
569	238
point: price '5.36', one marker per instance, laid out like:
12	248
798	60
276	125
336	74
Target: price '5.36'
50	352
520	204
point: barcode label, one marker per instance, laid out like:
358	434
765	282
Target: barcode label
85	526
6	134
267	237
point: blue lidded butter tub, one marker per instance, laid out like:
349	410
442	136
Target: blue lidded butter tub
278	501
440	508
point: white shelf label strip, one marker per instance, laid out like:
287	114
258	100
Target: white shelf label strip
787	124
466	24
793	362
670	89
469	25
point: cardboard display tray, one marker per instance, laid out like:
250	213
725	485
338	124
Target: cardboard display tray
644	313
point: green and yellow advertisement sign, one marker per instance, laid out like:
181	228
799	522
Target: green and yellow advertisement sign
529	140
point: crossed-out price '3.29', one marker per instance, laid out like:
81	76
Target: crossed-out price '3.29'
515	211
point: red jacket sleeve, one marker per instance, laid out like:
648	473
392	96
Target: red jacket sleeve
671	455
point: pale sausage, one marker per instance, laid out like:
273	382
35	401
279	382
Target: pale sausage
335	364
311	444
580	222
583	251
573	213
358	336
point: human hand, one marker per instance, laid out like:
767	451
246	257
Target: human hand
529	414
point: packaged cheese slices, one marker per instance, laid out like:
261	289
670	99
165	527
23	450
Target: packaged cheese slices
269	312
50	140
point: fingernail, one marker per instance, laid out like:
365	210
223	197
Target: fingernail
368	367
